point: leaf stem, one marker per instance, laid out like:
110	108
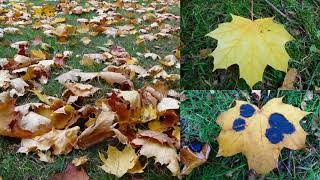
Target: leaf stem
252	10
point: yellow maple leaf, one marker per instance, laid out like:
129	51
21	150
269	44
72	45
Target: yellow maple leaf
252	45
48	10
260	134
119	162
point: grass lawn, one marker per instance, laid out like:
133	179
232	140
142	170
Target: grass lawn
21	166
200	110
201	17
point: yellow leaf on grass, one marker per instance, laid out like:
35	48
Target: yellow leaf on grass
260	134
252	45
118	162
42	97
48	10
38	54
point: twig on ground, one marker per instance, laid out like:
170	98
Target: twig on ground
280	12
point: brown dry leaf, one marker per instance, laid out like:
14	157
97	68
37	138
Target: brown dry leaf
158	136
85	40
163	153
74	75
83	90
18	85
35	123
152	56
112	78
71	173
5	78
119	162
169	60
64	117
99	131
191	160
9	120
290	79
120	107
168	103
168	120
80	160
83	28
61	141
133	97
45	157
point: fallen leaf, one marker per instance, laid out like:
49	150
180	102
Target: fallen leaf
163	153
168	103
290	79
80	160
9	120
260	134
78	89
71	173
191	159
85	40
118	162
238	38
45	157
99	131
61	141
38	54
169	60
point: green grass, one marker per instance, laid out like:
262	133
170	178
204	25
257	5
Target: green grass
20	166
201	17
200	110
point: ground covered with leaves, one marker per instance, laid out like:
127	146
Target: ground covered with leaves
199	18
201	109
89	82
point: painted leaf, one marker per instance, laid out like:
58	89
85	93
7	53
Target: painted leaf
252	45
260	134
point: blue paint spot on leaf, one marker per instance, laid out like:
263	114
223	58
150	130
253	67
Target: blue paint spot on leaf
246	110
274	135
195	146
278	121
239	124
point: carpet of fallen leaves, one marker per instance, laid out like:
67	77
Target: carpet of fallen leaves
145	121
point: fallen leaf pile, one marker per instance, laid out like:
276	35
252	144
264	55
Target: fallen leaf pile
252	45
144	120
260	134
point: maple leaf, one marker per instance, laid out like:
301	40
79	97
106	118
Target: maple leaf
252	45
61	141
159	146
260	134
99	131
119	162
